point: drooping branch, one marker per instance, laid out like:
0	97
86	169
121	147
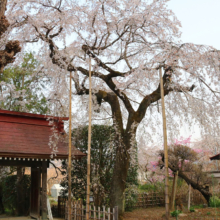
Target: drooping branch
56	169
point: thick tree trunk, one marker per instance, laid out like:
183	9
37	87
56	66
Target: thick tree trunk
12	47
120	172
204	190
3	4
194	184
119	180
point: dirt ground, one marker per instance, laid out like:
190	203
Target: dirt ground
157	213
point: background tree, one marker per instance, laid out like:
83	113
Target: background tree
186	161
128	42
28	86
102	164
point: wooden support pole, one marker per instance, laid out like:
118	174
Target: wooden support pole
20	192
39	201
44	190
70	150
174	192
165	146
189	196
89	142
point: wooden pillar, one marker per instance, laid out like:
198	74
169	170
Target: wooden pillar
35	193
44	190
20	196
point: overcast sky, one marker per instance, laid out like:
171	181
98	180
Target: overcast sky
200	20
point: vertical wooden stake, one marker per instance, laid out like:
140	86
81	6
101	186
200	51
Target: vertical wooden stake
165	146
174	192
70	151
189	197
116	213
89	142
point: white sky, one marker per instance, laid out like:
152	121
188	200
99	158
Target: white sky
200	20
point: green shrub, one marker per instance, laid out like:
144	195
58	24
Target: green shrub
192	209
131	197
9	192
214	201
149	187
208	213
175	213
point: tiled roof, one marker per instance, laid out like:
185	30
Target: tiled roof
25	135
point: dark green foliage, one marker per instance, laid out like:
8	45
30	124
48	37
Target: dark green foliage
9	192
149	187
191	209
175	213
102	163
214	201
131	198
28	85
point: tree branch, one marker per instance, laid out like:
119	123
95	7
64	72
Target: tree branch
155	95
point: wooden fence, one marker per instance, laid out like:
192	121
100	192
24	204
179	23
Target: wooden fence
61	206
196	198
144	200
79	212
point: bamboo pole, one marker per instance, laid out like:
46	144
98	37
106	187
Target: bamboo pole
189	197
89	142
70	151
165	145
174	193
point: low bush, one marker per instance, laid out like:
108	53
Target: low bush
130	197
9	192
149	187
175	213
214	201
192	209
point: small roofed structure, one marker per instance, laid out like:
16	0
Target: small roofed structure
24	142
55	190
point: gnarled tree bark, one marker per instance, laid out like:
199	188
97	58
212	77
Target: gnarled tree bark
12	47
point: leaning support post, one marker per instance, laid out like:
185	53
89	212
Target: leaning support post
70	151
189	197
165	145
175	186
89	142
